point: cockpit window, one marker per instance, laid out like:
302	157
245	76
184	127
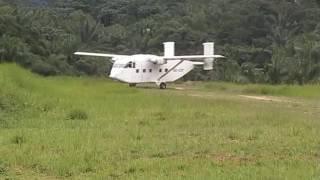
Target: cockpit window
119	65
130	65
126	65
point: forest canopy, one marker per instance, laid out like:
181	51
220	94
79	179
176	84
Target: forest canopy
265	41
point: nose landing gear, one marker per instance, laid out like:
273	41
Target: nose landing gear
132	85
163	86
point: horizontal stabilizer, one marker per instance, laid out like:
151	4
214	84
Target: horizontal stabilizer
198	63
193	57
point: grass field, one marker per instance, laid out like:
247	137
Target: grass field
93	128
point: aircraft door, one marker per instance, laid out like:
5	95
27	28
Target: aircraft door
138	72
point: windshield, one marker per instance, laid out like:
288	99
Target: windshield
118	65
129	64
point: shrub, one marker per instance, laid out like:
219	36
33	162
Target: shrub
18	139
8	103
3	169
77	114
43	68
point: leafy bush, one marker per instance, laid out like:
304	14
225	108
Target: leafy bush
77	114
18	139
3	169
7	103
43	68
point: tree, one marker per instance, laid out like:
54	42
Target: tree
261	39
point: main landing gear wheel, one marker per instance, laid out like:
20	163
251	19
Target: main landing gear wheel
163	86
132	85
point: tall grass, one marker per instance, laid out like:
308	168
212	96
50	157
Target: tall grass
86	128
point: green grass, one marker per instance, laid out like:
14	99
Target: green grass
91	128
306	91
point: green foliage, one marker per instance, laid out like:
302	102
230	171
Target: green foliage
77	114
266	41
18	139
3	169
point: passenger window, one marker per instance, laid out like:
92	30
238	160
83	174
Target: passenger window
166	70
137	70
144	70
134	65
160	70
150	70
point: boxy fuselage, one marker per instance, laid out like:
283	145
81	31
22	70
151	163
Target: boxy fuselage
145	68
137	69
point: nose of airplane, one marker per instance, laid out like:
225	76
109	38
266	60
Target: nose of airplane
114	75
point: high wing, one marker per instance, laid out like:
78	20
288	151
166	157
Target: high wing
192	57
113	56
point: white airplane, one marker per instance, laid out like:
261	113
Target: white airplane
146	68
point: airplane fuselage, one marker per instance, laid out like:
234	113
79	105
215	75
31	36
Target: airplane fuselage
147	68
137	69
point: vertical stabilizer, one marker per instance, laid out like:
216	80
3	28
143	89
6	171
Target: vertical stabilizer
208	50
169	50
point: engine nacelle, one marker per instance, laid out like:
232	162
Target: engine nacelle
114	59
161	61
208	50
157	60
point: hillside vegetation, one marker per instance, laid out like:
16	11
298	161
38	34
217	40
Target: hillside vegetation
265	41
93	128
